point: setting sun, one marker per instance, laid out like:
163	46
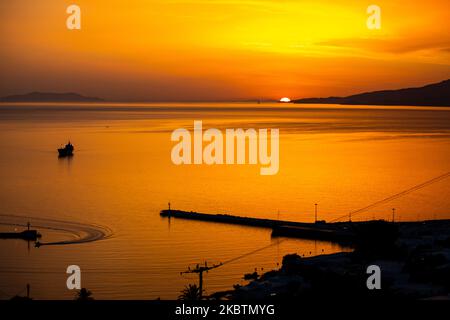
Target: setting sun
285	99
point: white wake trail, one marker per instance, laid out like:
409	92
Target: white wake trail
81	232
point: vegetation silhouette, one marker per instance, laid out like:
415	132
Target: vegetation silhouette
84	295
190	292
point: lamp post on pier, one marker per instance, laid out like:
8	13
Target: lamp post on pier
315	213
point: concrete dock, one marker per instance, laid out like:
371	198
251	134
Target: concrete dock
335	232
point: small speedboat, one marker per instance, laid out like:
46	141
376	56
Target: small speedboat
67	151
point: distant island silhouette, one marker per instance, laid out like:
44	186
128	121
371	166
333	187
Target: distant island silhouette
436	94
49	97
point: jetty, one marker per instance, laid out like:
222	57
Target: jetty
336	232
315	233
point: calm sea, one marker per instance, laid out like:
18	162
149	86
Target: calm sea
121	176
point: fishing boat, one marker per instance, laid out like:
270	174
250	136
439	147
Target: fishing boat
67	151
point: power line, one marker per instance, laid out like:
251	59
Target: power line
4	293
397	195
134	270
13	271
252	252
199	269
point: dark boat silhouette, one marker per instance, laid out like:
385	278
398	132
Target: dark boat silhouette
67	151
28	234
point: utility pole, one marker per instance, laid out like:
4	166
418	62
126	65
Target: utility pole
393	214
315	213
200	269
350	216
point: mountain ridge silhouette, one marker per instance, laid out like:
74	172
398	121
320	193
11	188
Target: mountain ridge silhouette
49	97
435	94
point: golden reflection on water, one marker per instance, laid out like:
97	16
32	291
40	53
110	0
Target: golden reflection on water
121	176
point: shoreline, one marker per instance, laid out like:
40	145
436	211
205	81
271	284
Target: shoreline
414	265
339	232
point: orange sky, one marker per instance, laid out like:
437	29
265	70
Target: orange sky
221	49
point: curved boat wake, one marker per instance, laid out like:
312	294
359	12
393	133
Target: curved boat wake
80	232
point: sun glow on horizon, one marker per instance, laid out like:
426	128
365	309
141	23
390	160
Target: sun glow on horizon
285	99
161	50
